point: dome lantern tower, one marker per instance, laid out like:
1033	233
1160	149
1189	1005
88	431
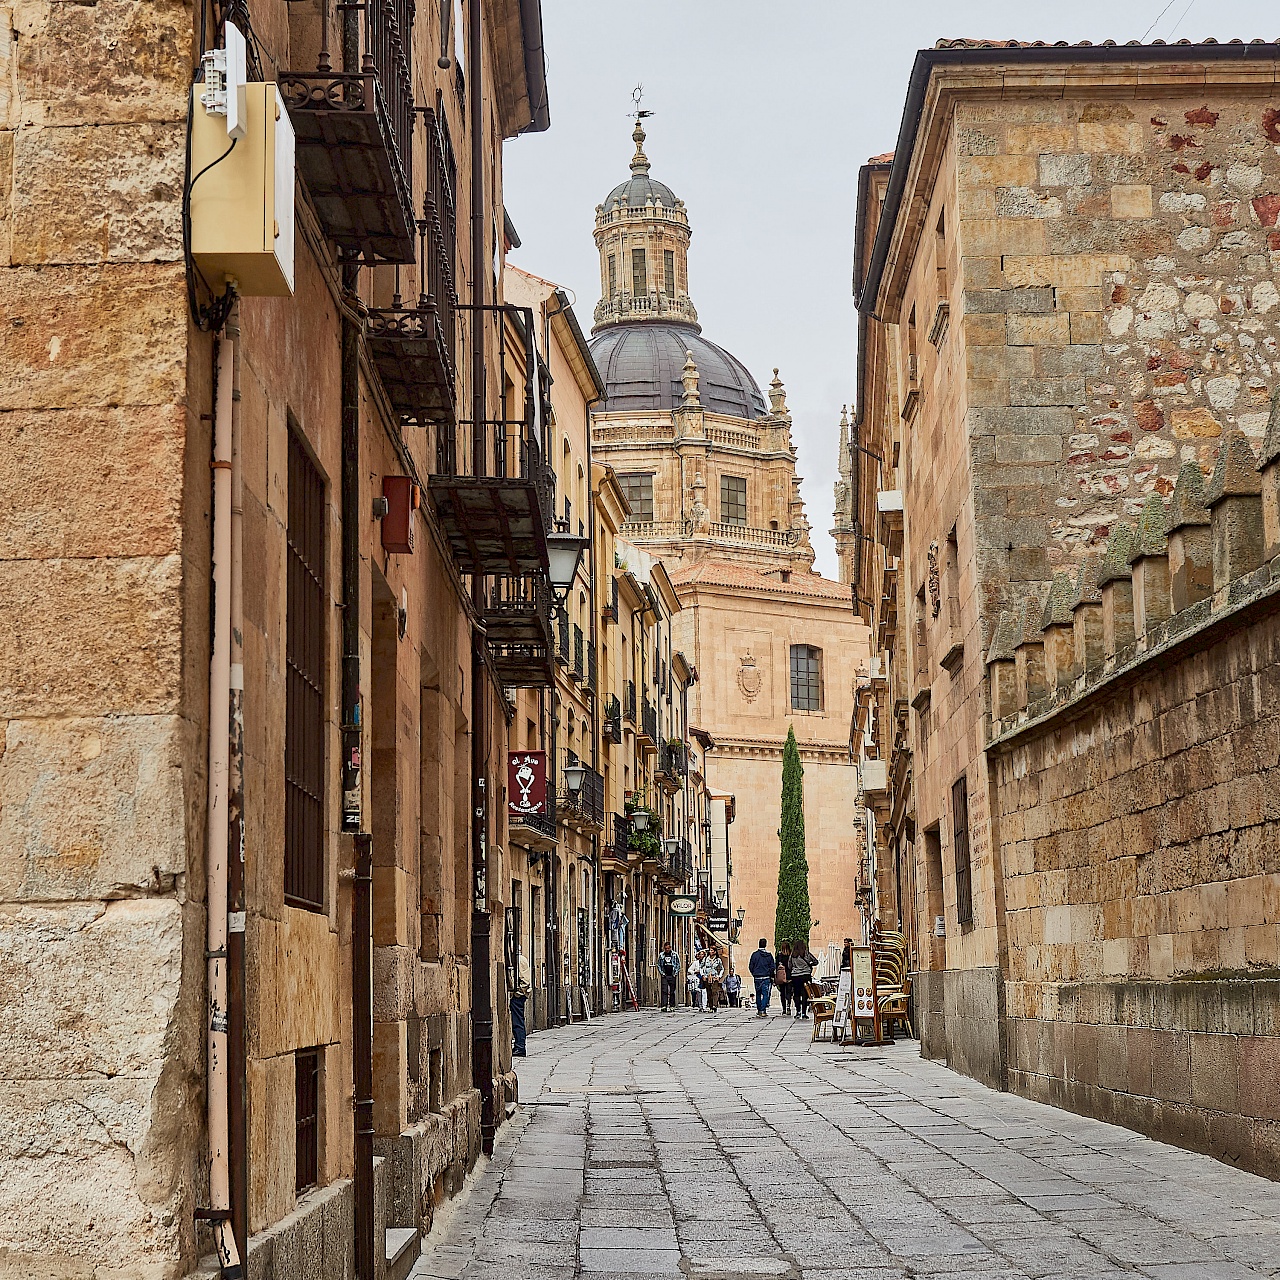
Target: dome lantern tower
642	234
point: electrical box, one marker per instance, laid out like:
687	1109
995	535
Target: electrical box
241	196
403	499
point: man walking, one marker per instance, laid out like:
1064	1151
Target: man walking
801	970
668	972
519	994
762	966
712	977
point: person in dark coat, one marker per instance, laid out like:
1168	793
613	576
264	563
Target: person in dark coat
782	975
762	967
800	967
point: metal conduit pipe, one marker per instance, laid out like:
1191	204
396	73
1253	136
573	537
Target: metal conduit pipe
216	1026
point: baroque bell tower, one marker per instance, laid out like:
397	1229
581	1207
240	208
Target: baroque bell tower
642	234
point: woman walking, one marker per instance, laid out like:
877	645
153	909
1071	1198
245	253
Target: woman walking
782	975
800	967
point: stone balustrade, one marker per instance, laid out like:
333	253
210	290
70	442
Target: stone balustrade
1212	553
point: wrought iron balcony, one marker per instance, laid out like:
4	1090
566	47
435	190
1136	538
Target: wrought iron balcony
610	611
534	830
589	684
517	619
648	733
617	849
611	722
415	348
583	809
629	709
354	132
579	641
673	766
490	486
562	638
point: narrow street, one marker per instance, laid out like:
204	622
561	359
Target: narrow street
689	1145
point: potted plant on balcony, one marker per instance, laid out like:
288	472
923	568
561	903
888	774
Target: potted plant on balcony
645	829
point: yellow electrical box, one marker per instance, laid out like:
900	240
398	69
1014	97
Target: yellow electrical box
242	199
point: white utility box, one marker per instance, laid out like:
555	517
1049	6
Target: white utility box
242	206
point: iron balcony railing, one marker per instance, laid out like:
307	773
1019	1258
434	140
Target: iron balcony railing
629	710
562	638
673	759
611	722
415	347
579	653
590	682
517	619
587	804
543	823
649	720
354	128
620	837
611	605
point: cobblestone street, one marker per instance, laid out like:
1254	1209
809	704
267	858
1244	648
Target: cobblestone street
687	1145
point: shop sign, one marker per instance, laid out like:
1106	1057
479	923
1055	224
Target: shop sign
526	783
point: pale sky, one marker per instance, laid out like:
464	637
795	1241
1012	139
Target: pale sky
763	111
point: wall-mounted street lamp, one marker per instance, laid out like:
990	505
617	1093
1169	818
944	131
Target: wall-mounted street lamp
721	894
564	552
640	819
670	847
574	776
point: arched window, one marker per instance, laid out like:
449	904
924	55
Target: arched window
806	678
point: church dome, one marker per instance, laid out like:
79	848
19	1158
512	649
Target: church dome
642	364
637	190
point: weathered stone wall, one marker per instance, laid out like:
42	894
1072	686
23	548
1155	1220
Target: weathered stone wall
1138	836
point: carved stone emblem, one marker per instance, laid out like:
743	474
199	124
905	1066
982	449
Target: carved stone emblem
935	589
750	681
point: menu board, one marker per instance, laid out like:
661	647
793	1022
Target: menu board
863	984
844	1006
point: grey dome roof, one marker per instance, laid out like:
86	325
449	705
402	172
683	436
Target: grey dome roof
642	365
638	189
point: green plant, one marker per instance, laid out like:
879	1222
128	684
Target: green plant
792	921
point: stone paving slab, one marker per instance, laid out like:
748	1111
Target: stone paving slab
735	1150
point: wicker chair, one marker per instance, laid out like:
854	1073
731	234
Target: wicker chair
821	1005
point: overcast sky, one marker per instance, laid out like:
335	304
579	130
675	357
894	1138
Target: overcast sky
763	111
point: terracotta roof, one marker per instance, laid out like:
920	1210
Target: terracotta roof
720	573
963	43
886	158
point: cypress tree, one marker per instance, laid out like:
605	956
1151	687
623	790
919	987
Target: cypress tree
792	922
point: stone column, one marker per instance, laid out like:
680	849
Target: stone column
1057	625
1002	668
1149	560
1115	582
1234	499
1029	654
1086	615
1190	541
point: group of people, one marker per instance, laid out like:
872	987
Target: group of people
790	971
708	985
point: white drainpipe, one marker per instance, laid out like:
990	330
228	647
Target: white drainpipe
216	853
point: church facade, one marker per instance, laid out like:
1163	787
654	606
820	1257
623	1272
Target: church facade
708	467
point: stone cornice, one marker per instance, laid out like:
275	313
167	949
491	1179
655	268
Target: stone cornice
771	748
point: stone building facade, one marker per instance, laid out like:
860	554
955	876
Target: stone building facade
1052	512
708	467
230	483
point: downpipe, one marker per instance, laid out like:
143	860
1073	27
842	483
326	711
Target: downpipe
218	1212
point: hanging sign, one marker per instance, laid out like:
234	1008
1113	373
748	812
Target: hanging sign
526	783
683	904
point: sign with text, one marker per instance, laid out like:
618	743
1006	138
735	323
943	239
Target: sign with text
526	783
863	984
683	904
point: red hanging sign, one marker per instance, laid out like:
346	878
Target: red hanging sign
526	783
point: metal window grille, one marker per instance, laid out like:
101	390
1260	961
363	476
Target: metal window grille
733	500
960	840
613	275
669	273
806	678
306	1094
304	685
639	493
639	273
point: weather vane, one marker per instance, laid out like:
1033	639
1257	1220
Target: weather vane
637	95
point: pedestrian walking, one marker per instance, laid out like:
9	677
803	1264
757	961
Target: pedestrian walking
519	995
713	979
697	995
733	991
782	977
801	970
668	972
762	967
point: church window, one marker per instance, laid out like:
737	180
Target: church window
806	678
639	494
669	273
733	500
639	273
613	274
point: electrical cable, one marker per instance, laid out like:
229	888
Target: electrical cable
212	316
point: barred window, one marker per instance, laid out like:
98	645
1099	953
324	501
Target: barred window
306	1107
613	275
304	684
639	273
733	500
669	273
960	844
638	489
806	678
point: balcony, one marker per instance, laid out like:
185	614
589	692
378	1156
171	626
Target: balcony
611	721
583	810
415	348
490	488
354	132
562	638
517	619
535	831
648	730
578	671
615	854
610	611
673	766
589	684
629	709
677	867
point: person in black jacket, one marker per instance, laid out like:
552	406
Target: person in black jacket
800	968
762	966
